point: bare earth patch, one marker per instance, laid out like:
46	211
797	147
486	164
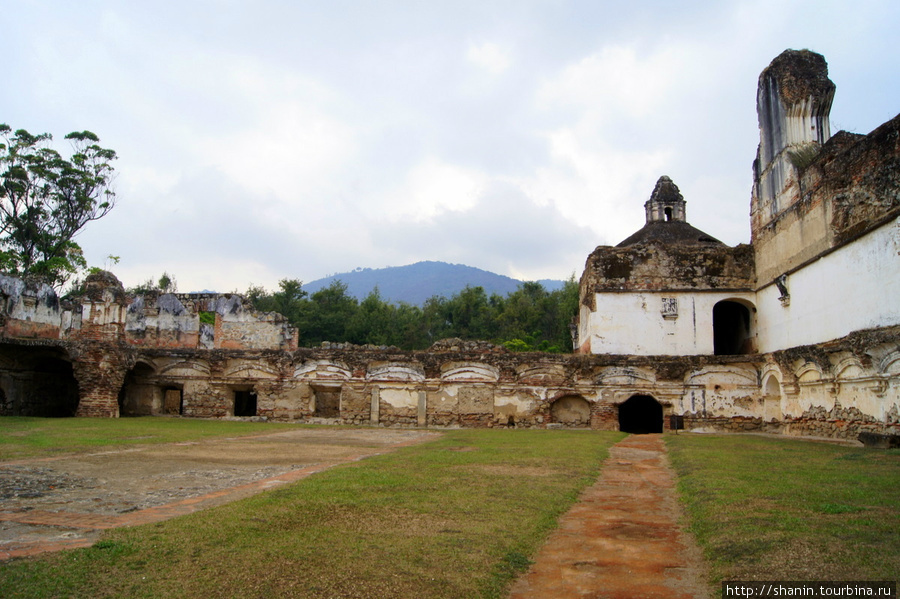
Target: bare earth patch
82	494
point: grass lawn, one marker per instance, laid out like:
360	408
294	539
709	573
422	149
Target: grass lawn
455	517
43	437
786	509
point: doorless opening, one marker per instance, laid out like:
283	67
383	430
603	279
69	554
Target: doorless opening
731	329
640	415
328	402
245	403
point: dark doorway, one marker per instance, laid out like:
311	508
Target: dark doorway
245	403
173	401
328	402
731	329
36	383
137	395
641	415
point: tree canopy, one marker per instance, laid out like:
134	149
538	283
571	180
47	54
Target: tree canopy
46	199
528	319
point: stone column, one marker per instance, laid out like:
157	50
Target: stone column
374	413
100	371
422	409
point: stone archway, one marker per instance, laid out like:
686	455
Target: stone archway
641	414
571	410
138	395
732	328
37	382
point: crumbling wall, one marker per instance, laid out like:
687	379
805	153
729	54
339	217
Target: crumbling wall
837	389
655	266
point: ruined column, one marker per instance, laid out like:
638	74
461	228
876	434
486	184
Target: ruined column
100	371
793	103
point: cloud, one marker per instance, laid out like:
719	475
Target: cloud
266	140
504	231
489	56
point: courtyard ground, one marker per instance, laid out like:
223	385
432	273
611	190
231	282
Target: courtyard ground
67	501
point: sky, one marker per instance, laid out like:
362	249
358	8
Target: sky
275	139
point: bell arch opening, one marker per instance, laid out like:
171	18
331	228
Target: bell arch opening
641	415
732	328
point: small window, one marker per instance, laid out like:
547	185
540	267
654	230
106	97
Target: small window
668	212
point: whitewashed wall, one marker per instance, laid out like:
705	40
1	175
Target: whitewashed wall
634	323
853	288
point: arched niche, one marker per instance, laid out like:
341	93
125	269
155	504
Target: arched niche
571	410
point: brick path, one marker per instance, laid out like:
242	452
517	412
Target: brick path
99	522
622	540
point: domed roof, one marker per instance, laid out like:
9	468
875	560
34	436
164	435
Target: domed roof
666	221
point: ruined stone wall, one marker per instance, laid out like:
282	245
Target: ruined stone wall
837	389
104	312
851	188
661	267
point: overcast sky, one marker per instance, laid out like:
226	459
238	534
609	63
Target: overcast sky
295	139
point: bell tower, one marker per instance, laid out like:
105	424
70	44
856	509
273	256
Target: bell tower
666	204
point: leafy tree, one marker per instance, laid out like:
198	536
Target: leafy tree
165	284
371	323
528	319
45	200
326	316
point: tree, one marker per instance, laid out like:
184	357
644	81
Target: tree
165	284
45	200
326	315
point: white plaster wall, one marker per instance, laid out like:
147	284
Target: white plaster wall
855	287
633	323
400	397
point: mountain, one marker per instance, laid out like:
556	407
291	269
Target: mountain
415	283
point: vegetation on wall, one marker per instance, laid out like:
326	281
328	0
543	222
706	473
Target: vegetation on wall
528	319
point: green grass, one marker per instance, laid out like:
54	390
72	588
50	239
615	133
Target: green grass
43	437
458	517
786	509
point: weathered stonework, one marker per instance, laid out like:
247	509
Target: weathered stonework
797	333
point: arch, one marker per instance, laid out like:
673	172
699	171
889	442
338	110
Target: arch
138	396
733	327
396	371
771	389
808	372
322	369
847	367
772	386
37	382
571	410
640	414
469	371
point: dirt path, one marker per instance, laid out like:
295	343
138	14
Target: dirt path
65	502
623	539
